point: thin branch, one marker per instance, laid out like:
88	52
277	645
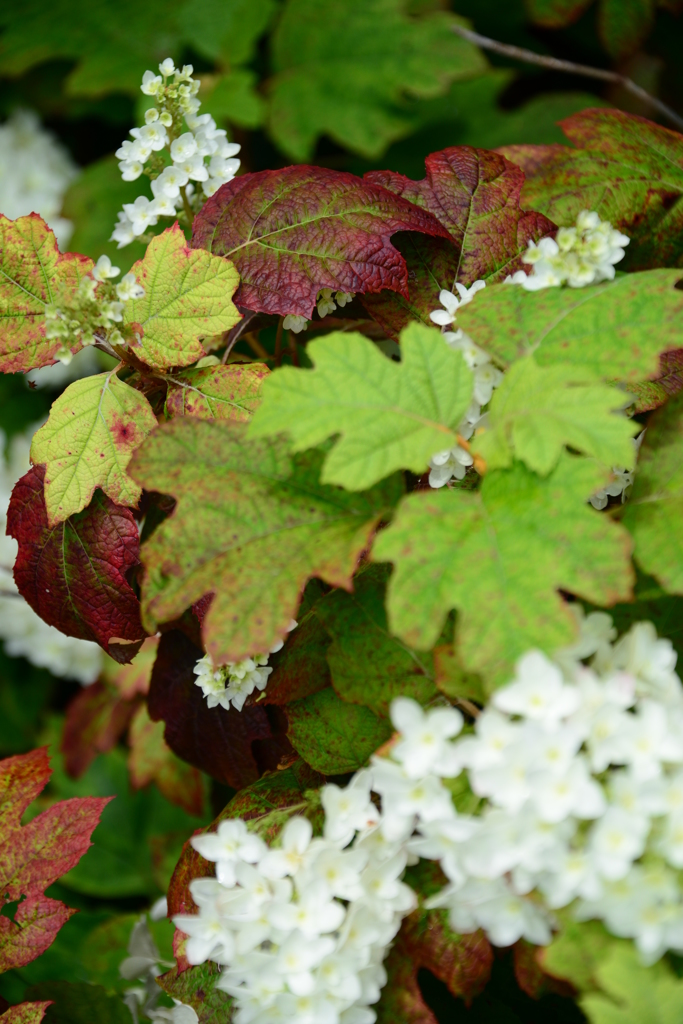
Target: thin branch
529	57
234	335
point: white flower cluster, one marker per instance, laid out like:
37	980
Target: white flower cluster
175	147
24	633
621	482
230	684
327	302
584	254
94	310
35	172
301	929
144	964
453	463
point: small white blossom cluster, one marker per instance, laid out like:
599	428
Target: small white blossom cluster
230	684
584	254
453	463
93	312
176	147
621	482
35	172
302	929
24	633
144	964
327	302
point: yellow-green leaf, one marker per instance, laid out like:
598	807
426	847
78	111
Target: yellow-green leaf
188	296
388	415
216	392
538	410
33	273
93	430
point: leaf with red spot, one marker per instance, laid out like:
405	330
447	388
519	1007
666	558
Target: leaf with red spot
216	392
214	740
74	574
152	760
34	856
475	194
426	941
292	232
33	274
25	1013
626	168
93	429
650	394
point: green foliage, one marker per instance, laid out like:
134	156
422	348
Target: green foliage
216	392
332	736
196	987
653	514
633	993
538	410
390	416
79	1003
368	665
93	430
251	526
188	293
343	69
614	330
499	556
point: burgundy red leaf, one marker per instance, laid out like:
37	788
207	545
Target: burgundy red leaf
73	574
294	231
95	719
214	740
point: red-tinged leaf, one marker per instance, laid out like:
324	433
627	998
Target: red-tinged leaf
33	273
130	680
34	856
475	194
301	668
196	987
152	760
95	720
276	791
35	926
462	962
628	169
294	231
25	1013
216	741
624	24
650	394
216	392
531	977
74	574
555	13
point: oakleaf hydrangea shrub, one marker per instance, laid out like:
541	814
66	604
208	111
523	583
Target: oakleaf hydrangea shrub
402	518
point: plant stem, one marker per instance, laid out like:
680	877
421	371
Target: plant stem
278	342
186	205
529	57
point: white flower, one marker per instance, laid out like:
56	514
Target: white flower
295	323
194	167
128	288
423	746
448	465
103	270
578	256
170	182
123	233
349	809
651	660
538	691
294	842
154	135
616	840
167	67
151	83
140	214
183	148
231	843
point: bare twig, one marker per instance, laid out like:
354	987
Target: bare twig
529	57
234	335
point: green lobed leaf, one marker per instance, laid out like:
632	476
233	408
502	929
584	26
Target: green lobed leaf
633	993
627	168
624	24
332	736
389	416
251	525
196	987
616	329
653	513
369	666
94	427
33	274
301	667
216	392
234	98
537	410
225	30
577	951
343	70
500	556
188	295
